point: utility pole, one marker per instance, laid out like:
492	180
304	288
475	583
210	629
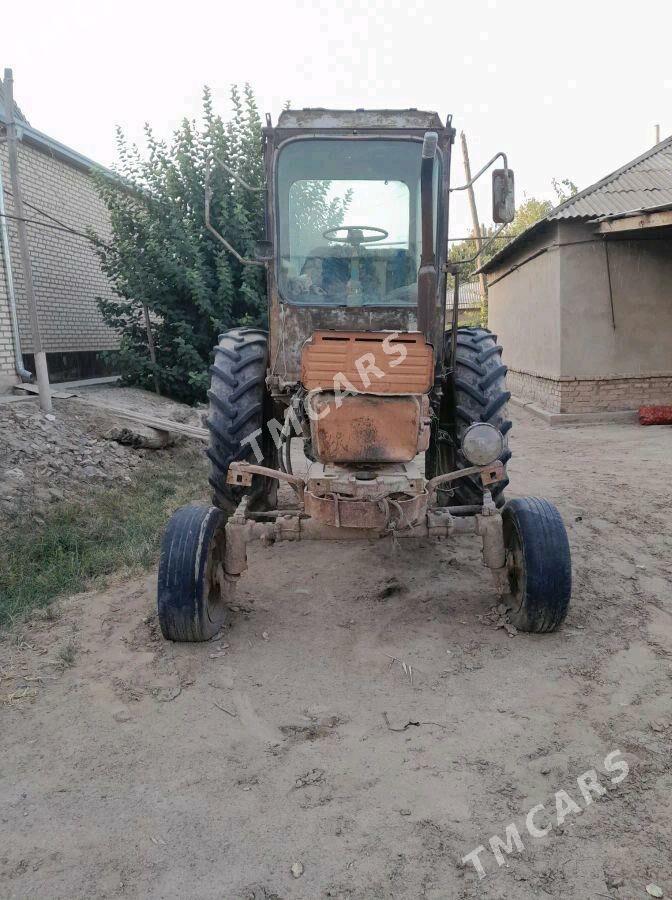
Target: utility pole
477	228
40	355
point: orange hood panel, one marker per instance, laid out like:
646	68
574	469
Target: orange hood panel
370	362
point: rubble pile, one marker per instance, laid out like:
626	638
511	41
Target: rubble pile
49	458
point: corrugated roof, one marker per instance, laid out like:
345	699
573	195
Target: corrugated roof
642	184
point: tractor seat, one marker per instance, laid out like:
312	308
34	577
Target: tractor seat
381	271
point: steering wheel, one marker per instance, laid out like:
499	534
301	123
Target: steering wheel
355	234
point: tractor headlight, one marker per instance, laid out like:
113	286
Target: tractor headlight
482	444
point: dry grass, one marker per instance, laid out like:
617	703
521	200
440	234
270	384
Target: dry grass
81	543
68	653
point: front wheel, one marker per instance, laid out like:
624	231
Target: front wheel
538	564
192	587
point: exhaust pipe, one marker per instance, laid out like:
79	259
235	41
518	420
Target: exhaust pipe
427	273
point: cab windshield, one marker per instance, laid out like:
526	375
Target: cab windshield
349	229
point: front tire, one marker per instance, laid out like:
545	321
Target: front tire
192	601
539	564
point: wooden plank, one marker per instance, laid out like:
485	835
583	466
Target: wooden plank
33	389
636	222
160	424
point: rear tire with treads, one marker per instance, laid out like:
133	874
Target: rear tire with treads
476	393
240	405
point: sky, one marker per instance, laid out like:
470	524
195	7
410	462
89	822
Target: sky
568	90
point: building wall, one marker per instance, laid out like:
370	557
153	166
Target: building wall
66	272
524	313
596	360
635	341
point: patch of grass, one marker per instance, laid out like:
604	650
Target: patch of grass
82	542
470	318
68	654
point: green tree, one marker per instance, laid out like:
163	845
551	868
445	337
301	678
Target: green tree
530	211
564	189
311	212
162	259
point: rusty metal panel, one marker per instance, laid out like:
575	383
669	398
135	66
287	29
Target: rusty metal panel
425	425
291	326
367	428
373	363
347	512
391	479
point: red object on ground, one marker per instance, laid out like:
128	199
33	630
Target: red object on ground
655	415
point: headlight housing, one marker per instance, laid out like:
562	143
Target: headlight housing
482	444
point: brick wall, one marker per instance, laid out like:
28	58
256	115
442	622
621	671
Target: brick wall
575	395
615	393
6	343
65	269
545	392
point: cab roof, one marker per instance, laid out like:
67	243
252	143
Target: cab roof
324	119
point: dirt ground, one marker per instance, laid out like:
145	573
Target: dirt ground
136	768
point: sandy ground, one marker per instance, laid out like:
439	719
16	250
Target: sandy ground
147	769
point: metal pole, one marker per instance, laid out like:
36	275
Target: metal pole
455	318
21	371
477	225
427	271
40	356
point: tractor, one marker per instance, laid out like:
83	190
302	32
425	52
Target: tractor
402	416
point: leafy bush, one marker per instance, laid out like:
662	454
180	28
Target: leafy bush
161	260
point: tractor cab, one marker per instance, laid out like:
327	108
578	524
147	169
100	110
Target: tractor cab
357	217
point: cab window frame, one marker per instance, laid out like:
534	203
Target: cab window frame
438	191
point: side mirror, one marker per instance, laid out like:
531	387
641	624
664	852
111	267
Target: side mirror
263	250
503	196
